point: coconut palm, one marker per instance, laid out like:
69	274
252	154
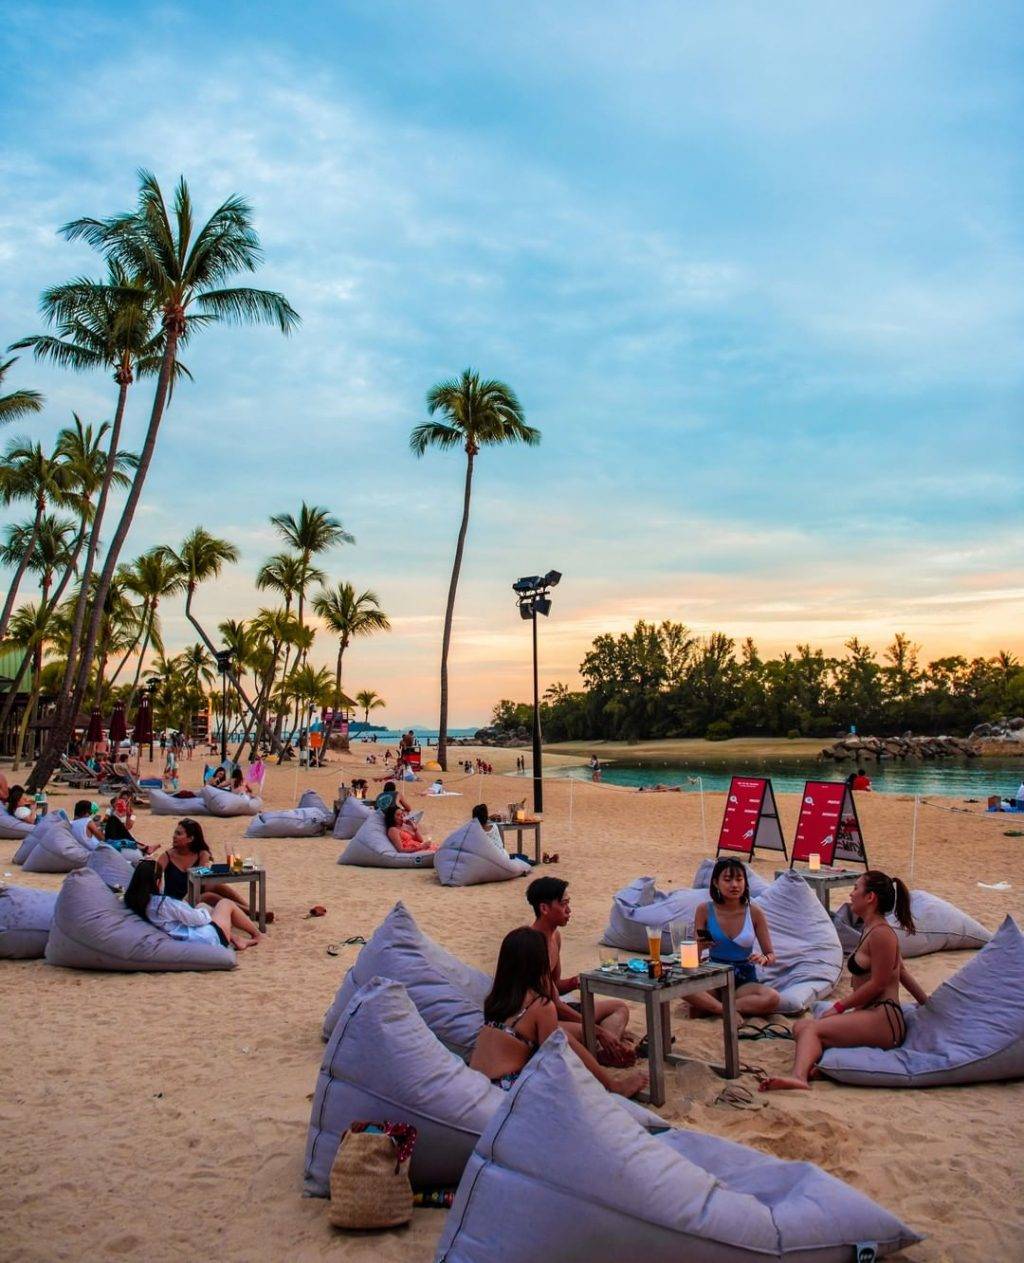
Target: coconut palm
313	532
471	414
17	403
183	272
348	616
369	700
311	687
28	633
288	574
151	577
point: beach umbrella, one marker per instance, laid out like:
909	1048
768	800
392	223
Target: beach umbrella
95	732
118	726
143	721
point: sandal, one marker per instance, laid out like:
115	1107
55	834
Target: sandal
739	1097
770	1030
333	949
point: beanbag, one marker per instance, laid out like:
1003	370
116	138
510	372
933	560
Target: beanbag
756	884
56	849
25	919
448	994
970	1031
25	850
582	1182
161	804
352	813
938	927
808	957
92	929
641	904
371	848
311	800
468	857
12	829
300	822
222	802
115	867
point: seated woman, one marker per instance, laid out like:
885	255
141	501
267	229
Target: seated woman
481	815
870	1016
402	832
519	1017
239	785
205	924
219	779
117	834
732	925
189	849
20	804
388	795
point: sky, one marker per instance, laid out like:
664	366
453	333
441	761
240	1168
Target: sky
755	271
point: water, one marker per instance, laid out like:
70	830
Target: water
425	736
971	778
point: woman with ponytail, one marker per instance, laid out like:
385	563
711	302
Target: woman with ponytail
870	1016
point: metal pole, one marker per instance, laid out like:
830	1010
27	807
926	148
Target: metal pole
913	840
224	717
538	785
703	823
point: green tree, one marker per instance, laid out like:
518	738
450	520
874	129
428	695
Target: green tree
313	532
369	700
16	404
349	615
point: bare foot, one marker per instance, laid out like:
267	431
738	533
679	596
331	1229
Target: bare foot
630	1084
239	943
779	1084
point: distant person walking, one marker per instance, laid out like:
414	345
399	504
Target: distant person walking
595	768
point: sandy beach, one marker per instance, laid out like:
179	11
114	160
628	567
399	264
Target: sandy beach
159	1117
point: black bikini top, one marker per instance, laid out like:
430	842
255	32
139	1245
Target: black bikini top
857	970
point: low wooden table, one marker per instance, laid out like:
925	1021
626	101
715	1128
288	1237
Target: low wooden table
256	878
823	880
657	995
518	827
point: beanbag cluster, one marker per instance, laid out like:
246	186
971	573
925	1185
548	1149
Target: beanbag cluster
642	904
161	804
970	1031
371	848
448	994
468	857
352	813
299	822
54	848
581	1182
25	919
222	802
938	927
92	929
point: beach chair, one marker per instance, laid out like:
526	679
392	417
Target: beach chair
78	776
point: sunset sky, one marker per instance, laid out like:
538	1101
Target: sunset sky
755	271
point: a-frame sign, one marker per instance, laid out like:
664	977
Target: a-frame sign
829	825
751	818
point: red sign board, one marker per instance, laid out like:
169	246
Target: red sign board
828	825
751	817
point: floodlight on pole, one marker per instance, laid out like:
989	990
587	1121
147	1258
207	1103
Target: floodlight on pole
224	657
532	595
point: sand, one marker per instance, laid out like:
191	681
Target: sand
160	1117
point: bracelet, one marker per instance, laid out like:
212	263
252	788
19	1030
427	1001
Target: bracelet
839	1006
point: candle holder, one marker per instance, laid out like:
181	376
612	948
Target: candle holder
814	862
689	955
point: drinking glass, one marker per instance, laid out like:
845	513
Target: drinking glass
609	959
654	941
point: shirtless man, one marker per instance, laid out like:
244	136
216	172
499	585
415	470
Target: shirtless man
547	897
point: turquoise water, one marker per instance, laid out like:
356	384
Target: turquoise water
974	778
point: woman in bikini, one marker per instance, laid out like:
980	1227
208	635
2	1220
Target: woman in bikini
402	833
519	1016
734	929
870	1016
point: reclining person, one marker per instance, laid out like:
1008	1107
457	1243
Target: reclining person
214	924
403	833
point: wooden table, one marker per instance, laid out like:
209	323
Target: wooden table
518	827
657	995
823	880
257	881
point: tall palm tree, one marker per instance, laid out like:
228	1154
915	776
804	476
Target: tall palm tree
472	414
288	574
348	616
369	700
183	272
151	577
28	632
17	403
313	532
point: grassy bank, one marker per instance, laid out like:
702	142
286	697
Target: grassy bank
695	749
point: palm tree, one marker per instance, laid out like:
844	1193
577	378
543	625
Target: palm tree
288	574
475	414
183	273
312	533
369	700
17	403
348	616
310	687
154	575
28	633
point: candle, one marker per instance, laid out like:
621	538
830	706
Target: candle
814	861
520	816
689	954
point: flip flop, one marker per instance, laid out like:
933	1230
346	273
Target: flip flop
770	1030
333	949
739	1097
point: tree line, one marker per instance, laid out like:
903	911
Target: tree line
661	680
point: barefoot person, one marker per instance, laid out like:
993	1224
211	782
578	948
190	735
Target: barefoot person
204	924
189	849
870	1016
550	903
519	1015
734	928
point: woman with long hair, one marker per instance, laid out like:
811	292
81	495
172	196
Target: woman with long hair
402	832
870	1016
214	924
519	1016
189	849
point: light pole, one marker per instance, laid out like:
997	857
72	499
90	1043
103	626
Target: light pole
532	595
224	657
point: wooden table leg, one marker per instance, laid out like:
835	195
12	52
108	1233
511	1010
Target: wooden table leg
727	994
655	1050
194	889
825	895
263	903
587	1013
536	844
252	900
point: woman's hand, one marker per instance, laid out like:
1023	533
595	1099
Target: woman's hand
765	958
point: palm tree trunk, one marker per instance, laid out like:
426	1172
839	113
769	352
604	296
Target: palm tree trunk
26	557
26	719
446	639
337	678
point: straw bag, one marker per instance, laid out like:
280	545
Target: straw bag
370	1176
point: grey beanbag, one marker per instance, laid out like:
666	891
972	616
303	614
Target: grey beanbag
371	848
56	849
299	822
641	904
161	804
448	994
25	919
115	867
583	1183
222	802
352	813
25	850
808	957
468	857
382	1062
938	927
92	929
12	829
756	884
970	1031
311	801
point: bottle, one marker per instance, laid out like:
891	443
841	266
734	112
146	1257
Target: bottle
41	807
